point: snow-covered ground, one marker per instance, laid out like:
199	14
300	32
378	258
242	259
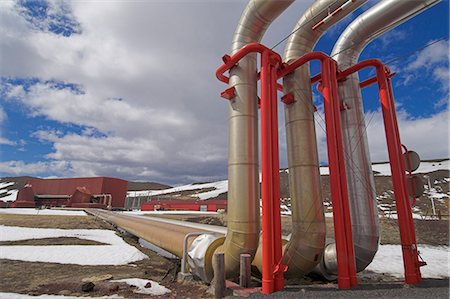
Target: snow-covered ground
155	290
7	195
11	195
46	212
117	252
425	167
382	169
389	260
220	187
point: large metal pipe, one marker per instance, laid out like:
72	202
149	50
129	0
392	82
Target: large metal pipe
171	237
243	171
305	248
379	19
167	236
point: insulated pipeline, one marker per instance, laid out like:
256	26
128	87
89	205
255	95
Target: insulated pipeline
379	19
304	250
243	170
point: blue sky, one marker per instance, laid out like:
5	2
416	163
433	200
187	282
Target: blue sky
127	89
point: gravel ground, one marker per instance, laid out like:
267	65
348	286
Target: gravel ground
428	288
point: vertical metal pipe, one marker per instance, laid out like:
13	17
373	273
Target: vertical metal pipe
305	248
243	173
382	17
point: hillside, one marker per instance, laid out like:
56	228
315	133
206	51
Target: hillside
432	172
437	171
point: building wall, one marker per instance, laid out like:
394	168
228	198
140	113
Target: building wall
67	186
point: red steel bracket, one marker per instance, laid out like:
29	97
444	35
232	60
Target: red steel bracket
228	93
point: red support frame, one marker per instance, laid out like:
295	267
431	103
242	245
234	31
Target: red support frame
336	160
271	70
405	220
273	269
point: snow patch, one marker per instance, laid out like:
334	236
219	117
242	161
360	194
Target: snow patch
219	187
389	260
7	184
118	252
384	169
11	195
46	212
156	289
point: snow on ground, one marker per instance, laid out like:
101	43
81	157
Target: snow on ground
425	167
8	195
117	252
389	260
220	187
46	212
7	184
11	195
45	296
156	289
384	169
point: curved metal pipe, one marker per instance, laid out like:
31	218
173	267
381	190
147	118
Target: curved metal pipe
243	171
307	243
379	19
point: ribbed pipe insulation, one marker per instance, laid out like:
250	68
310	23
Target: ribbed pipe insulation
305	248
243	171
379	19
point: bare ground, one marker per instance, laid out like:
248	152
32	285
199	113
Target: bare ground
51	278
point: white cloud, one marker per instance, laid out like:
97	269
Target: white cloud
431	62
148	105
3	140
22	168
441	74
428	136
430	56
393	36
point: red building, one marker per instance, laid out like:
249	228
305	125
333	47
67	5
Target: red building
212	205
98	192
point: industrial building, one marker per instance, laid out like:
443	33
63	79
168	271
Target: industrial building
96	192
185	205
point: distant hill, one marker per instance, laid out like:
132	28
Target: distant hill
138	186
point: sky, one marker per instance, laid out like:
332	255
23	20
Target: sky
127	88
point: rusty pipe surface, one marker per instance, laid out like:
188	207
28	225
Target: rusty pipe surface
243	170
379	19
307	243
